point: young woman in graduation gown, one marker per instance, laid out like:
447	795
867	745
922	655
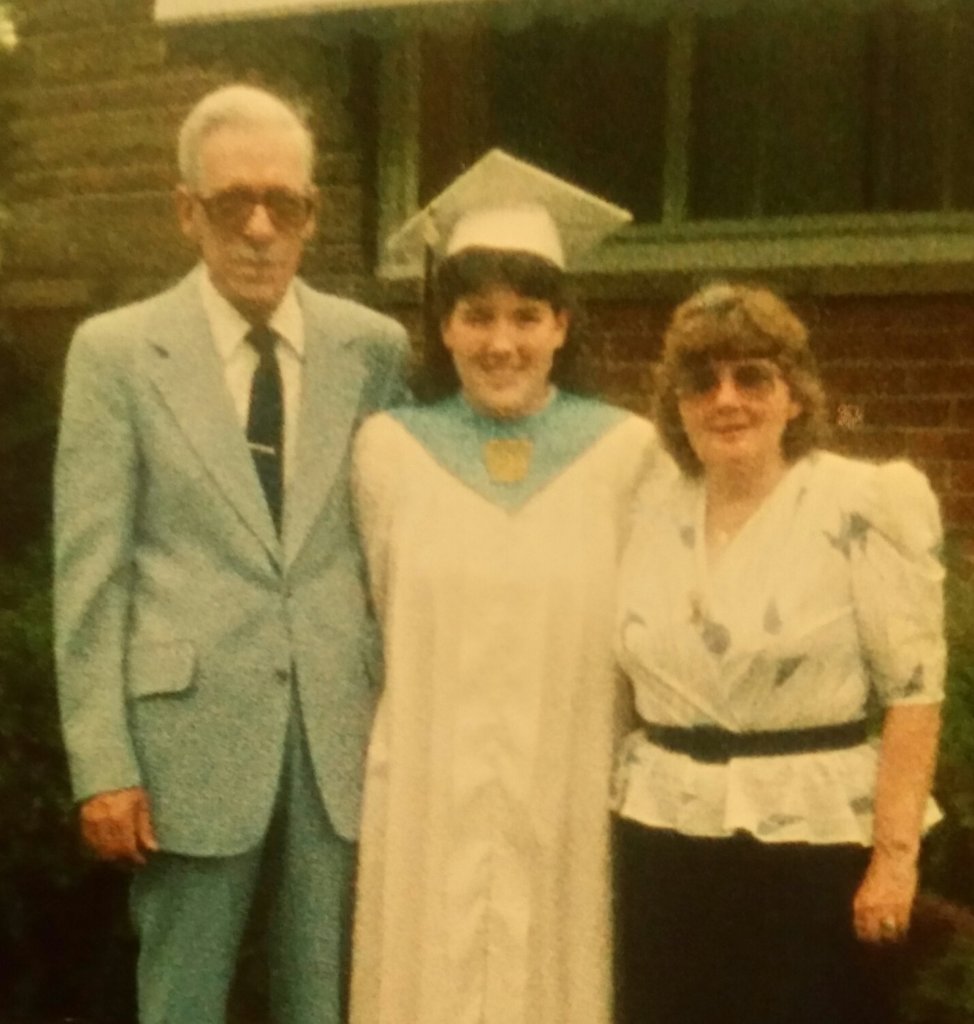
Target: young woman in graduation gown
493	520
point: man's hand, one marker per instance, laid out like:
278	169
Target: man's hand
117	825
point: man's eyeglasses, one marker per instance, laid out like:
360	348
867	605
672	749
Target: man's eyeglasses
232	209
753	378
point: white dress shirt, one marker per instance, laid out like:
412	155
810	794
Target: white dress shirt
240	359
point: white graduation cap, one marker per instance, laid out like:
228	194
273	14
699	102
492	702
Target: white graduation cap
504	203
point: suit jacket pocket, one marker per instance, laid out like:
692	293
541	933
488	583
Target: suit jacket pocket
159	669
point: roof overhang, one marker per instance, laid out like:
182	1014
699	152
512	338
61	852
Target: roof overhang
182	11
172	11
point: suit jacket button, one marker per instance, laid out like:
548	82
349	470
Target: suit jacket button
283	675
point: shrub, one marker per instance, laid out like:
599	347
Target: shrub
65	949
940	989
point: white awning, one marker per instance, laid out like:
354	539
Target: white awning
172	11
222	10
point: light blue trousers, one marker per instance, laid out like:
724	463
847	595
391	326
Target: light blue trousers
190	914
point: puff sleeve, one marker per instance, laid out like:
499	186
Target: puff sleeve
893	535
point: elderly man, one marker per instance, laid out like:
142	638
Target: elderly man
216	655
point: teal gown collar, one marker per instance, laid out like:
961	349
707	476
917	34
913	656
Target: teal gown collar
455	435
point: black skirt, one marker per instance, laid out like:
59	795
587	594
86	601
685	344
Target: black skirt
741	932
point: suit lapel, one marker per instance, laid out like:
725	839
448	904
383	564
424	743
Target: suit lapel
330	397
186	370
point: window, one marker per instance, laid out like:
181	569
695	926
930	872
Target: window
826	121
557	100
831	111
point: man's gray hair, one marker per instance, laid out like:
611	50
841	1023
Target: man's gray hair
237	106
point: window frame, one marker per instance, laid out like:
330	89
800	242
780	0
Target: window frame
922	252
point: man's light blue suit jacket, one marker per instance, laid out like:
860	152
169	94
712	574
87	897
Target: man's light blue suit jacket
179	611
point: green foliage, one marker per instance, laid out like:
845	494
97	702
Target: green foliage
952	843
28	722
957	742
943	991
940	989
63	929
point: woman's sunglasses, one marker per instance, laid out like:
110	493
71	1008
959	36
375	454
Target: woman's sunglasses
752	378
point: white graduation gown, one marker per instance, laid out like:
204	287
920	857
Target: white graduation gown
483	893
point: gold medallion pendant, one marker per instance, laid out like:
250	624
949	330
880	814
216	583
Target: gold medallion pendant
508	459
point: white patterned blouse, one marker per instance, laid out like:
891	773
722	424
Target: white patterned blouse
827	601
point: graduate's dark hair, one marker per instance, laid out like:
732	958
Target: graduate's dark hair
472	272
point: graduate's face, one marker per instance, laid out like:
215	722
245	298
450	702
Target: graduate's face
503	345
250	213
735	412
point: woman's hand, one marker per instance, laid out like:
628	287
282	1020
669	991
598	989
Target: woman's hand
881	908
883	903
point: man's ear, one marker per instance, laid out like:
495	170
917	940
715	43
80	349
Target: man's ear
186	212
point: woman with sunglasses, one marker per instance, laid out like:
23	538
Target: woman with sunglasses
772	598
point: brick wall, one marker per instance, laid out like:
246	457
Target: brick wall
900	371
93	164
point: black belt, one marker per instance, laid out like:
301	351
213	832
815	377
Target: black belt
713	745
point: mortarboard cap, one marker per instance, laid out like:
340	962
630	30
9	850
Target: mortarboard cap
502	202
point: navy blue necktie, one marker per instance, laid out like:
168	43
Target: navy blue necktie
265	422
